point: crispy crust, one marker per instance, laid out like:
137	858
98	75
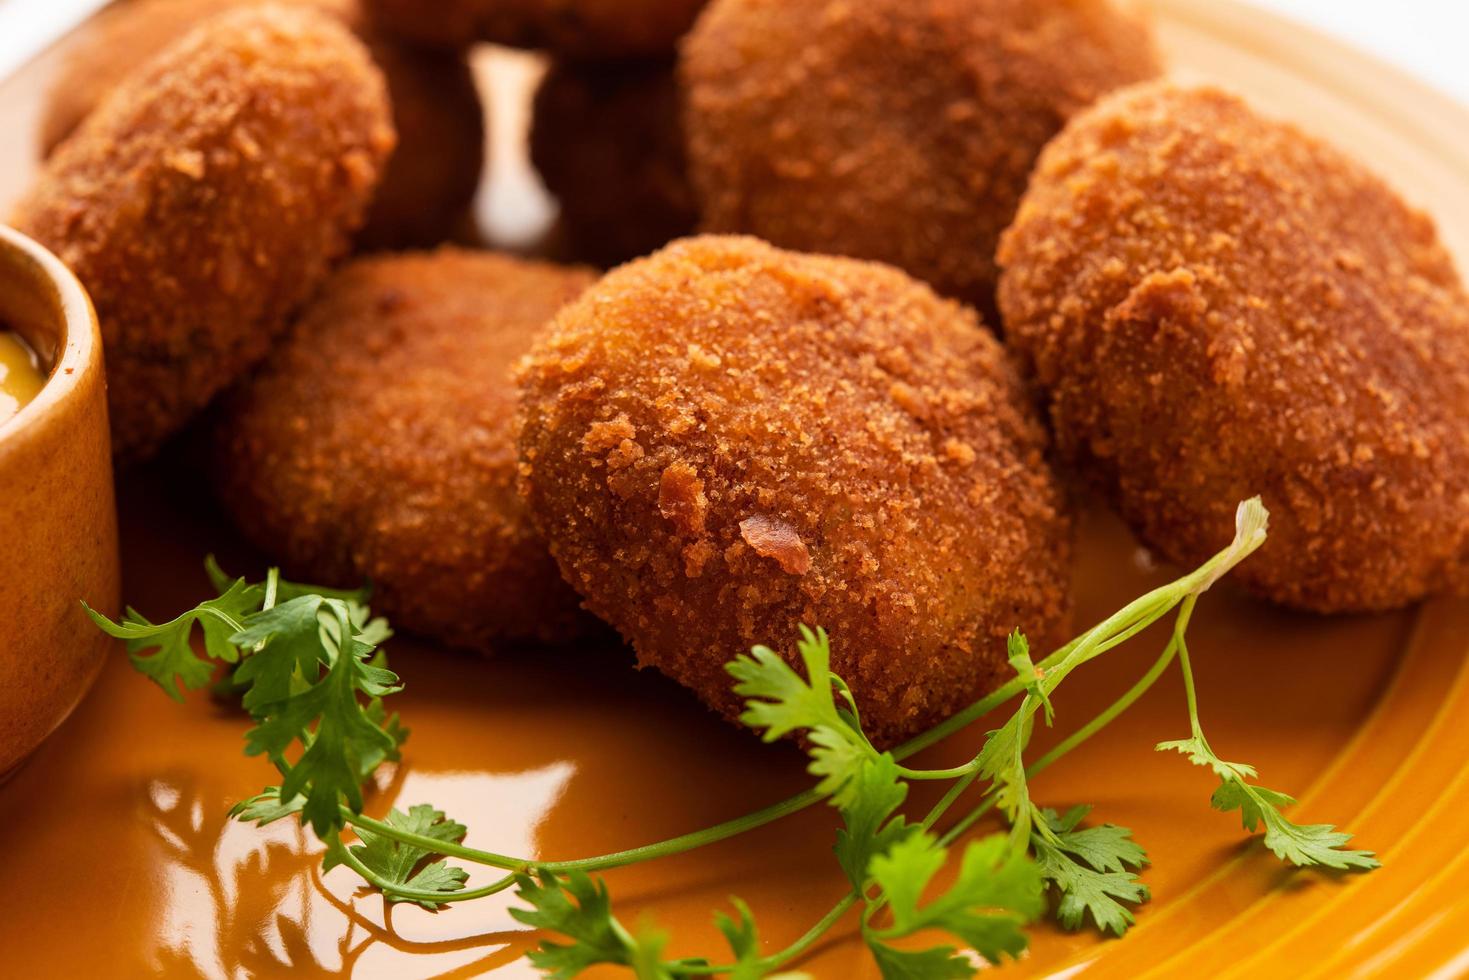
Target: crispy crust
377	443
725	440
892	129
1219	305
204	200
608	143
431	177
595	30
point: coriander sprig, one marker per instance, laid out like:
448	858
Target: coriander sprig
1302	845
303	660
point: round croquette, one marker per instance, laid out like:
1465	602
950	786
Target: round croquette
607	141
726	440
203	201
893	130
377	443
1219	305
588	30
433	173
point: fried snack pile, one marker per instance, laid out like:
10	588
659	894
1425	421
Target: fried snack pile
894	130
726	440
608	143
204	199
1218	305
435	169
378	444
587	30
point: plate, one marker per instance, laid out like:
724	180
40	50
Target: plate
120	860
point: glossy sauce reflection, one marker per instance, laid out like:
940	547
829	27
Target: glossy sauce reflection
563	754
240	901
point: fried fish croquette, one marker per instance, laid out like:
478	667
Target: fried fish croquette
589	30
378	443
433	173
1219	305
204	200
607	141
726	440
891	129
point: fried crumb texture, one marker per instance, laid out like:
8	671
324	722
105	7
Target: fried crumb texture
204	200
378	444
726	440
435	169
1219	305
895	130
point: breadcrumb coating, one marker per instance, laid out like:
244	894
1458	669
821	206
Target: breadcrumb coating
1219	305
894	130
588	30
608	143
433	173
377	443
203	201
726	440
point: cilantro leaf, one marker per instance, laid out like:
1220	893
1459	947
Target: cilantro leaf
1303	845
1107	847
175	663
402	864
1198	751
290	650
936	963
579	908
780	701
1087	867
836	758
345	735
997	892
870	826
1000	761
596	937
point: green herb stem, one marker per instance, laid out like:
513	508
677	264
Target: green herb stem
400	891
1121	626
794	950
1107	716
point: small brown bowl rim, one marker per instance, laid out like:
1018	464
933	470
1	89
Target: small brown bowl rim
79	345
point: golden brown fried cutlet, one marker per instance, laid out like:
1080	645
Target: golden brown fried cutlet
607	141
377	443
204	200
590	30
726	440
431	177
1219	305
890	129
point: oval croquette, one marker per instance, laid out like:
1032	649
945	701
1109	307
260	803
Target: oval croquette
1219	305
433	173
607	142
726	440
377	443
203	201
891	129
588	30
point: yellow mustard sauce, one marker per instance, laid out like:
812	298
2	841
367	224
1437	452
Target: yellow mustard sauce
20	375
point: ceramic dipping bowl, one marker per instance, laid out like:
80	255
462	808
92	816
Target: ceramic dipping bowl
58	518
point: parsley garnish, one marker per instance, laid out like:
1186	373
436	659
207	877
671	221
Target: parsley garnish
1302	845
304	663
